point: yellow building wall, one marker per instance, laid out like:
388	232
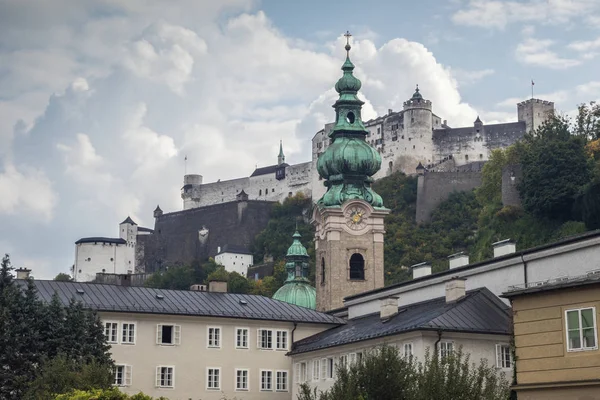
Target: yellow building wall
540	338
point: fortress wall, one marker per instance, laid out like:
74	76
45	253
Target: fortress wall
435	187
219	192
195	234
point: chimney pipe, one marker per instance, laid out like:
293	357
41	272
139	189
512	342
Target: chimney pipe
504	247
198	288
23	273
422	269
390	111
218	249
458	260
389	307
455	289
217	286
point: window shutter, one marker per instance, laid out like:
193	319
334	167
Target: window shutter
259	339
157	376
498	356
297	373
323	368
177	334
128	375
159	334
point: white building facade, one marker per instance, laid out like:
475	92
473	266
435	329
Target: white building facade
235	259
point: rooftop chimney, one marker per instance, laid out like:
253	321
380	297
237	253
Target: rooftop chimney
198	288
458	260
218	249
455	289
217	286
422	269
23	273
504	247
390	111
389	307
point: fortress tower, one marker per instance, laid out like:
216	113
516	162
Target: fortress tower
190	192
534	112
349	217
418	127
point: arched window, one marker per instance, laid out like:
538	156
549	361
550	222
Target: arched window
322	269
357	267
260	192
391	164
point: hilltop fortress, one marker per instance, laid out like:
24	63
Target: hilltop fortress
407	140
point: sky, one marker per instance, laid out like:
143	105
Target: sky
101	100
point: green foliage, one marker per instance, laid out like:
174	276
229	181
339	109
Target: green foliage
219	274
588	120
385	375
63	277
183	276
39	342
104	394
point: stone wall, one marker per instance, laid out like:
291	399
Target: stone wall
435	187
186	236
511	177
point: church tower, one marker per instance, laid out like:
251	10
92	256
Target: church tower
349	217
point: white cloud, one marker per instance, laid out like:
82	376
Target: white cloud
585	45
465	77
497	14
537	52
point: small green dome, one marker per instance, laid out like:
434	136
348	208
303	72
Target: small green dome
297	249
417	94
348	83
298	292
349	155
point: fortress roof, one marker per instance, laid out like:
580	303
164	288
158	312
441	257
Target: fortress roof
490	130
101	240
232	248
128	220
267	170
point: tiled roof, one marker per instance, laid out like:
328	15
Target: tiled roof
101	240
480	311
232	248
128	220
102	297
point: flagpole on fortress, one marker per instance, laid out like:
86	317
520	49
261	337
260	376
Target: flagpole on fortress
532	83
185	165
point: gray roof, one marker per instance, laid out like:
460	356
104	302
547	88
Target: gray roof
490	130
268	170
480	311
103	297
99	239
233	248
592	278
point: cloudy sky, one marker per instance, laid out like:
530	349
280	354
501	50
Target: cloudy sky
101	100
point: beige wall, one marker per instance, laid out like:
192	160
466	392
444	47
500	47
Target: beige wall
540	337
192	357
478	346
567	393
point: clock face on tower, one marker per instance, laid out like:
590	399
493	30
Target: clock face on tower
355	218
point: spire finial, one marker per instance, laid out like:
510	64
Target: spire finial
417	87
348	35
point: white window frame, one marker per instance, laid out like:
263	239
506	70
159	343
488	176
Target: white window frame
287	380
316	363
284	338
235	339
582	348
330	368
116	341
235	378
500	360
323	368
407	346
303	372
260	380
216	340
208	378
175	335
134	332
343	360
159	380
446	343
126	378
259	337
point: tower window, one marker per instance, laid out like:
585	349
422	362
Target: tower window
260	192
350	117
322	269
357	267
466	157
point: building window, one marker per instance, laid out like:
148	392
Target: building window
122	375
213	378
128	333
273	190
214	337
260	192
266	380
503	356
446	349
413	146
110	331
322	270
581	329
343	361
281	381
408	350
323	368
330	368
241	338
241	379
315	370
281	343
466	157
357	267
165	377
481	156
265	339
168	334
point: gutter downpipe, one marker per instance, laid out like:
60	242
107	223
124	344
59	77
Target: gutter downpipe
524	270
295	326
435	346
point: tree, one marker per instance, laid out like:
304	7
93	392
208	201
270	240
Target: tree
588	120
63	277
